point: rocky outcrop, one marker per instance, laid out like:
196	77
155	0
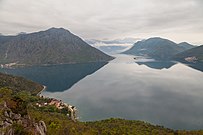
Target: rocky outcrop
41	128
9	121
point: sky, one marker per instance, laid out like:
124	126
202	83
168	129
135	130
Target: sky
178	20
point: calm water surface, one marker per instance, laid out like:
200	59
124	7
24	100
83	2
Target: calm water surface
163	93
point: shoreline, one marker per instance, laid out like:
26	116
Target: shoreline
40	92
71	115
74	118
71	108
46	65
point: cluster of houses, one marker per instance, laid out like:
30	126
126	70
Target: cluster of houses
7	65
60	105
191	59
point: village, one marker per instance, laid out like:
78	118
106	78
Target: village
72	111
191	59
7	65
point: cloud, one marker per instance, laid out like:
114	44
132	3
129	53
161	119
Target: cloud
115	41
98	19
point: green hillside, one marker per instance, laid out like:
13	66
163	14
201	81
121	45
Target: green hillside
17	84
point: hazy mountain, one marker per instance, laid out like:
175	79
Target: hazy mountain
112	46
53	46
157	48
115	41
186	45
191	55
112	49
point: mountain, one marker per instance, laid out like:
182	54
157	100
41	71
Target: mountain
112	49
191	55
53	46
4	39
157	48
112	46
115	41
186	45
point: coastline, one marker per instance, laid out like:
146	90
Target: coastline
44	88
15	65
58	103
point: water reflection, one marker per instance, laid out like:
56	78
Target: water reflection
57	78
197	66
172	97
151	63
157	64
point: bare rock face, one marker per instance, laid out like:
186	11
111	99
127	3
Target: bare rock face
9	118
16	116
10	132
43	125
6	114
41	128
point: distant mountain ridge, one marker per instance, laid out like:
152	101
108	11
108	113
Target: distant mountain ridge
115	41
191	55
158	48
52	46
186	45
112	46
112	49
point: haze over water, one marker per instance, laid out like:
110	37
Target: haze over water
162	93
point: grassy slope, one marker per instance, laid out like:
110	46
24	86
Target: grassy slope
59	124
19	84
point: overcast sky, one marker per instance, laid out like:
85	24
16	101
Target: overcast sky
178	20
